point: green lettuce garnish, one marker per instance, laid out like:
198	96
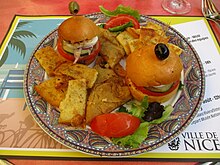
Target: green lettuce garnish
137	109
135	139
168	110
121	10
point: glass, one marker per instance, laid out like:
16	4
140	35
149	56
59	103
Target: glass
176	6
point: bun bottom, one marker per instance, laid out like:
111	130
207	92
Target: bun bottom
138	95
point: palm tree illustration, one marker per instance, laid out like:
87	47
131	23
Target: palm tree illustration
16	43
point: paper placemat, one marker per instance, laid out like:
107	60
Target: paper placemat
21	136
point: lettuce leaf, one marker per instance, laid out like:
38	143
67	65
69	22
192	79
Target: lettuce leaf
121	10
136	108
141	133
135	139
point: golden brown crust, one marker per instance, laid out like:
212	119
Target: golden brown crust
52	93
108	94
77	71
77	28
49	59
72	107
138	95
145	69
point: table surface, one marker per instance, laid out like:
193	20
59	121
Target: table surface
60	7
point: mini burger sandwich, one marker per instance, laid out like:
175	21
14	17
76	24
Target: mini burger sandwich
153	71
78	40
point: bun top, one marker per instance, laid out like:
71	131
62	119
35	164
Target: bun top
145	69
77	28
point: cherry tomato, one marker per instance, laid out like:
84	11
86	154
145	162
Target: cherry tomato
120	20
85	59
151	93
115	124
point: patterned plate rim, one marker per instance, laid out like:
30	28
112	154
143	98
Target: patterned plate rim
119	153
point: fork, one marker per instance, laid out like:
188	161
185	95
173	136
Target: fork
210	11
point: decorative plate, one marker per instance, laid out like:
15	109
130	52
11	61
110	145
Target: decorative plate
186	104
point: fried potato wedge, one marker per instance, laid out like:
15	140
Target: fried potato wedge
77	71
72	107
109	36
175	49
105	97
51	91
154	26
123	39
152	33
111	50
134	32
135	44
112	53
119	70
49	59
104	74
153	36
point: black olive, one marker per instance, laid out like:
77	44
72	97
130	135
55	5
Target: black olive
161	51
154	111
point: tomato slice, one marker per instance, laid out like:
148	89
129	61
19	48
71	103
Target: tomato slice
62	52
151	93
84	59
115	124
120	20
